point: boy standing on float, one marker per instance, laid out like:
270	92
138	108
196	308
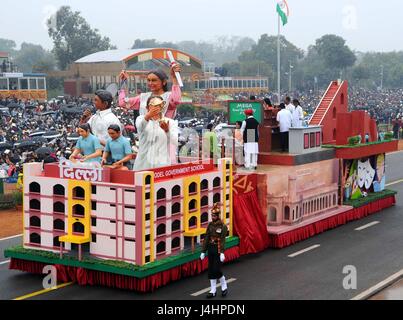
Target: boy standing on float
214	244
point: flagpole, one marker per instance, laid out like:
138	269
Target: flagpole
278	62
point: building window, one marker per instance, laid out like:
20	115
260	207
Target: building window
147	259
93	205
216	182
287	213
192	188
58	190
192	205
161	194
176	208
93	189
342	99
204	201
147	217
176	225
176	242
176	191
34	187
78	210
34	204
56	242
93	222
204	217
147	237
161	212
93	237
227	215
148	180
161	247
78	227
192	222
161	229
148	196
35	238
227	196
58	225
58	207
204	184
217	198
334	200
78	193
35	221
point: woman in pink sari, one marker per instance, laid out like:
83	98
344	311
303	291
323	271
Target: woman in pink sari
157	81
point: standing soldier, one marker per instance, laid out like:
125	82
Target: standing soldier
214	243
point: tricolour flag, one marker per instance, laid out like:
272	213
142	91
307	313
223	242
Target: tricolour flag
283	11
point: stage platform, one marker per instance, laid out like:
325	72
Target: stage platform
287	159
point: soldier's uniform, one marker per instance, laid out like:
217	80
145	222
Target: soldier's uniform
214	244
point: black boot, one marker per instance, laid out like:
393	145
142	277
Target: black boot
211	295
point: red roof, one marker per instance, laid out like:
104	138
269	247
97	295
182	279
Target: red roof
3	54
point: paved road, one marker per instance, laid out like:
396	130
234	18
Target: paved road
376	252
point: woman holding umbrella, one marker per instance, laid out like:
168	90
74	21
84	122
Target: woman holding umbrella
88	147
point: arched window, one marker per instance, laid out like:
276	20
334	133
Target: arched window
35	238
334	113
56	242
334	200
161	229
287	213
204	217
204	184
272	214
58	190
176	242
176	208
176	225
176	191
78	227
216	182
193	222
58	225
35	221
342	99
78	193
161	247
148	179
161	212
216	198
204	201
34	187
334	134
58	207
192	204
34	204
161	194
78	210
193	187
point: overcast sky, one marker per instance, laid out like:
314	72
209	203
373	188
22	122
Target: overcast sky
367	25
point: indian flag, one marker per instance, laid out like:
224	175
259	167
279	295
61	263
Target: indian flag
283	11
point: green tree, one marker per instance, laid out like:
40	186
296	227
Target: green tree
34	58
73	38
334	52
7	45
152	43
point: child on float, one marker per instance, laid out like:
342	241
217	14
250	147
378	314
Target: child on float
88	147
117	149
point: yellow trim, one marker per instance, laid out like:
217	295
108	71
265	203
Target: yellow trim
152	218
195	232
37	293
186	200
86	220
224	193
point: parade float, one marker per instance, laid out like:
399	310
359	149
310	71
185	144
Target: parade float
143	230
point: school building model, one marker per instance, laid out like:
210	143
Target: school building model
135	217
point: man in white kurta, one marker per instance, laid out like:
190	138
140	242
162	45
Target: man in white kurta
298	115
156	136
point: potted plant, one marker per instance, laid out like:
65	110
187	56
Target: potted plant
354	140
388	136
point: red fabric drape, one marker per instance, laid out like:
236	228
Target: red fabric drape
91	277
249	223
294	236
